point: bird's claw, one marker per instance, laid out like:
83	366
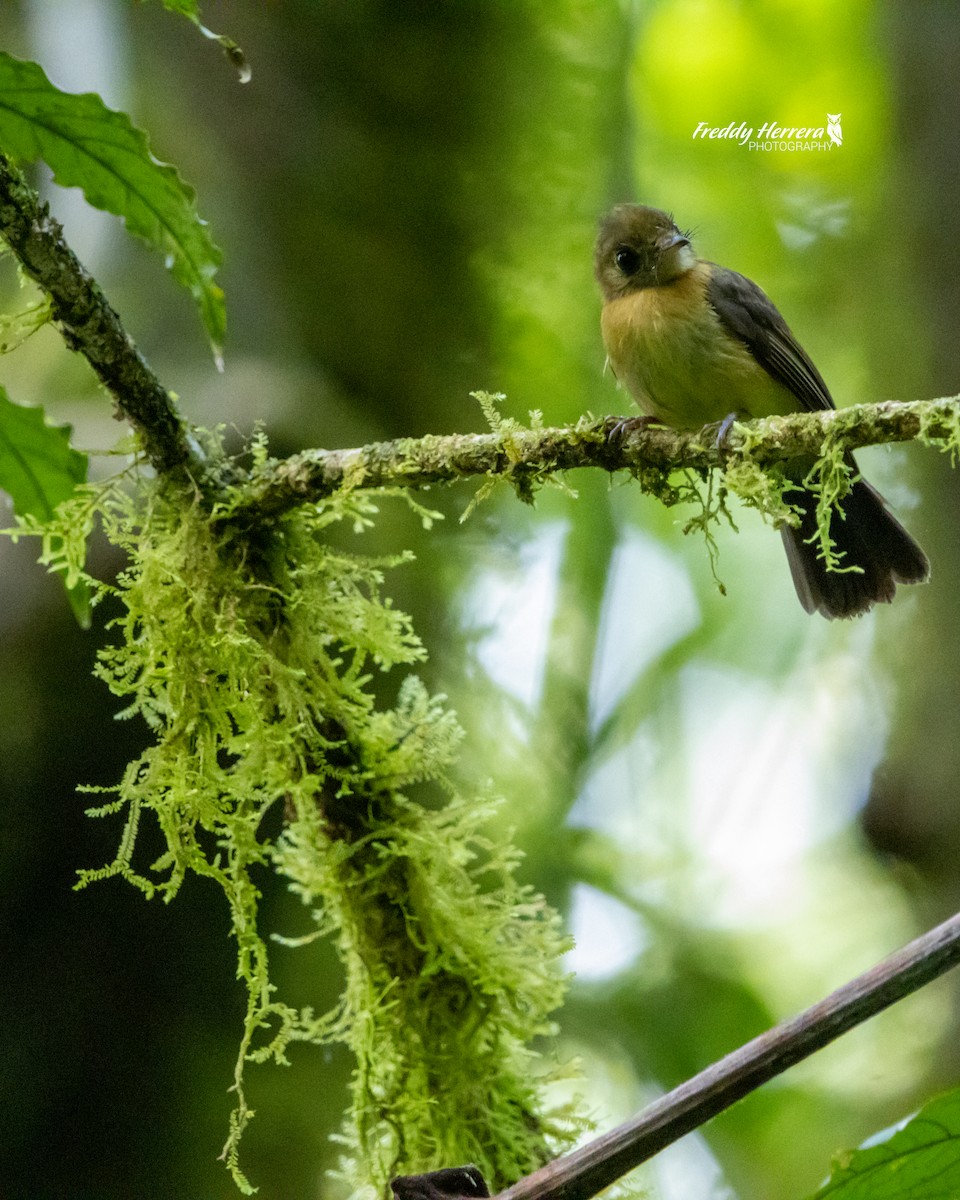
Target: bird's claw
623	425
723	428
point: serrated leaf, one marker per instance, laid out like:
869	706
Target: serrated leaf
38	466
89	146
39	469
918	1161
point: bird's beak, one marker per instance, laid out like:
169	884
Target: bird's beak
673	241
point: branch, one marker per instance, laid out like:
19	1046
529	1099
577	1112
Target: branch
91	327
586	1171
88	323
523	455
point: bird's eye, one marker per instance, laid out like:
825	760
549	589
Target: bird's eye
627	259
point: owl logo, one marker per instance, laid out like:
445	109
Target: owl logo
833	128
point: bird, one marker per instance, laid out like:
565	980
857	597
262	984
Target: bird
697	344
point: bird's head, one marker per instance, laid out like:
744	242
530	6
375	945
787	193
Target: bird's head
639	247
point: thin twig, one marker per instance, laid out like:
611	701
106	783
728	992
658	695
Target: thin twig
585	1172
88	323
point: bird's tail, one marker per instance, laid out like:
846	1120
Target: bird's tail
866	535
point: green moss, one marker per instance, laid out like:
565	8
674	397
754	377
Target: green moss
767	489
250	654
760	488
943	417
830	479
524	477
17	326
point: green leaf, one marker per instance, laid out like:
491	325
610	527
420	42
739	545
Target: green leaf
89	146
38	466
920	1161
39	469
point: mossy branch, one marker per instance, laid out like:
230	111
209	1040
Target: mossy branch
88	323
523	456
511	451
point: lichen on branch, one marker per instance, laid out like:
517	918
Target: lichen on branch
523	456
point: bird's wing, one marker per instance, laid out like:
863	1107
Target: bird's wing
746	312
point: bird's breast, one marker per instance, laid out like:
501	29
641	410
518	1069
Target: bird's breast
668	347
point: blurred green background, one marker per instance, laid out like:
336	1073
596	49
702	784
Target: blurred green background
736	806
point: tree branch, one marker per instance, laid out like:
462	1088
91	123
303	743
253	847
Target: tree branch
586	1171
520	455
523	455
88	323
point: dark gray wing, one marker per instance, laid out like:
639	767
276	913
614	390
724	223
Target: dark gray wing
747	313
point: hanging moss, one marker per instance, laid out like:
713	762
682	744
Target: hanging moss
250	654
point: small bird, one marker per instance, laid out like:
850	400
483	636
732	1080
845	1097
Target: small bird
695	343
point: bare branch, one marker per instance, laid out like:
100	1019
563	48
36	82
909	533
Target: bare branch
585	1172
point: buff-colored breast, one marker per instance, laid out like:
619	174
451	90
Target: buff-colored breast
667	346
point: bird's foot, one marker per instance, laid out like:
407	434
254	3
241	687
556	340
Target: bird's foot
619	427
723	428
